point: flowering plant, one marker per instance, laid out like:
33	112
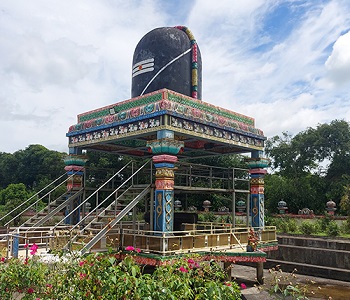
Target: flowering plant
105	276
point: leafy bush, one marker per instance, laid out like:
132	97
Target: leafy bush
285	285
207	217
308	228
292	225
285	224
323	223
345	226
333	229
113	276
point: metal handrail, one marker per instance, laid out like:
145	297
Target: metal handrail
195	174
43	234
36	194
107	198
101	212
95	192
55	210
111	224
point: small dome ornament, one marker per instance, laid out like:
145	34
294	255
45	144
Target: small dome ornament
241	206
206	205
282	207
331	207
177	205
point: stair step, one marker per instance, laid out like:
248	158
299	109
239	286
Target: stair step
98	226
107	216
308	269
92	229
79	243
111	211
85	236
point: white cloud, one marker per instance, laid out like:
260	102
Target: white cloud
62	58
338	63
38	63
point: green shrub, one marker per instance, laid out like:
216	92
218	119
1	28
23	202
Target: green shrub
292	225
323	223
333	229
283	224
270	221
345	227
308	228
207	217
113	276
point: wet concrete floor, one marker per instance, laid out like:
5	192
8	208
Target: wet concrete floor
315	287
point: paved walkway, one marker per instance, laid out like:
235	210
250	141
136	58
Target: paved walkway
322	288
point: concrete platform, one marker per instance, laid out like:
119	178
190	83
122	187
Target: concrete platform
323	288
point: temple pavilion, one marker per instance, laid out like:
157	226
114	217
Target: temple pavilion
164	125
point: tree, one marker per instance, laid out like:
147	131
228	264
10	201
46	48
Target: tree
8	169
38	163
11	197
345	200
302	157
31	166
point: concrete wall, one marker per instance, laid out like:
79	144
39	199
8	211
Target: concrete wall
322	257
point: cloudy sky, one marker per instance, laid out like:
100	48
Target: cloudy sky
284	63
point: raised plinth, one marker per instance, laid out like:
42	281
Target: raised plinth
130	127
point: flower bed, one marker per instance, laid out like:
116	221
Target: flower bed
104	276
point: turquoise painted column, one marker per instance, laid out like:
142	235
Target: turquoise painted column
256	165
165	149
75	166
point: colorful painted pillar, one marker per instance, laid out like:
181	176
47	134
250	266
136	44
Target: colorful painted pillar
257	172
75	166
165	150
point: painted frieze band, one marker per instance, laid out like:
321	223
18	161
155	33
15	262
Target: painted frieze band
115	132
164	100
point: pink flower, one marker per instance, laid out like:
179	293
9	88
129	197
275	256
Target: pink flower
82	275
138	250
30	291
192	264
243	286
183	270
81	263
26	261
34	249
26	246
130	248
2	259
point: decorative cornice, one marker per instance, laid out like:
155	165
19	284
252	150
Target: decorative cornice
164	101
165	146
257	163
76	160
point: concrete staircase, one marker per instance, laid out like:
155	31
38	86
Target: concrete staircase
52	209
316	256
90	234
